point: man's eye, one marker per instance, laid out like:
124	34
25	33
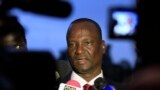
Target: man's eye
70	44
89	43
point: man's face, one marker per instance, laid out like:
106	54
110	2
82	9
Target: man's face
14	41
85	48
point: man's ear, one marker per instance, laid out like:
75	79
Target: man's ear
103	47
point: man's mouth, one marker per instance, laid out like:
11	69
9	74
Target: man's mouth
81	60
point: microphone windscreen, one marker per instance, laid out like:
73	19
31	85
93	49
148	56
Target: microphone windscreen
60	66
100	83
74	83
109	87
70	85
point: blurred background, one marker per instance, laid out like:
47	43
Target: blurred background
46	23
128	26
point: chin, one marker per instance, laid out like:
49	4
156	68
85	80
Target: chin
82	70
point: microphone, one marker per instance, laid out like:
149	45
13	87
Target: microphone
60	72
56	8
70	85
101	84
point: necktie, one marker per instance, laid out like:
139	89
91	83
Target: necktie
87	87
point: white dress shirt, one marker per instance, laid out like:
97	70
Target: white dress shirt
75	76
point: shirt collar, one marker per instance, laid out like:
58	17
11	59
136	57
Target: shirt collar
75	76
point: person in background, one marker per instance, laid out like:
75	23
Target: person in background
12	34
19	68
146	78
85	49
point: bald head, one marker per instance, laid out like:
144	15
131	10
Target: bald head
85	23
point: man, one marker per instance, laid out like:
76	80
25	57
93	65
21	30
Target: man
85	51
12	34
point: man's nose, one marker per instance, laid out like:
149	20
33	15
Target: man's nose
79	49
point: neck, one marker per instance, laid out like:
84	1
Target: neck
89	76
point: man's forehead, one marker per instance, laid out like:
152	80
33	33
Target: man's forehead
82	32
85	27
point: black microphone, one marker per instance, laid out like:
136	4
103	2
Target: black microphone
56	8
60	66
101	84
